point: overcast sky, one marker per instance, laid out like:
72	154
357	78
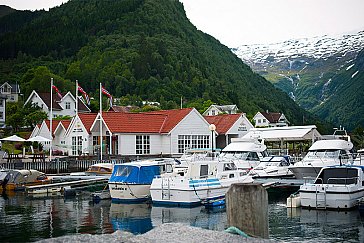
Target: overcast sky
237	22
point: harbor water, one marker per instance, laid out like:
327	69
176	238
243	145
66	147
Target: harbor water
26	218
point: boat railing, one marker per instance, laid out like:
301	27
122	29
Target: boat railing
338	181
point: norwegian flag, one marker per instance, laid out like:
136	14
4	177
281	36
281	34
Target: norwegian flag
104	91
57	91
107	93
85	95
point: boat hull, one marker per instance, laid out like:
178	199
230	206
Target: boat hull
184	192
330	196
121	192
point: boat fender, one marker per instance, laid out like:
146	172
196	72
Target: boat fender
235	230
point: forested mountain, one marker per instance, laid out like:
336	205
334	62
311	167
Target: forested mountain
320	73
146	48
345	105
5	10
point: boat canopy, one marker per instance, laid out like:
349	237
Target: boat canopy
334	144
245	146
134	174
25	176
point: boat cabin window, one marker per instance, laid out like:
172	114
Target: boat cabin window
231	175
229	166
341	176
167	168
123	171
102	169
253	156
204	170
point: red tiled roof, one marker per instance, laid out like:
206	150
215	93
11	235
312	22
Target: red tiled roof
173	117
147	122
66	123
54	124
272	117
223	122
87	120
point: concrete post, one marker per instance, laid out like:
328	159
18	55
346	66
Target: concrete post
247	208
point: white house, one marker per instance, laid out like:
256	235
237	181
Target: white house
270	119
152	133
65	106
229	126
78	138
11	91
2	110
44	130
214	110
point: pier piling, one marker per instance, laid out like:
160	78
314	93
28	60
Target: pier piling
247	208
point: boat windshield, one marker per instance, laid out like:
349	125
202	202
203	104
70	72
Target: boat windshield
326	153
341	176
234	155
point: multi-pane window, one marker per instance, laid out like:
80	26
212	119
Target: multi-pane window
68	105
77	145
192	142
142	144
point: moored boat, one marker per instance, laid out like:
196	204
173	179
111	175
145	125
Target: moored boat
273	167
204	182
323	153
245	153
130	182
16	180
336	187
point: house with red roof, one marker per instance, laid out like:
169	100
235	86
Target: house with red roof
78	138
151	133
44	131
229	126
65	106
270	119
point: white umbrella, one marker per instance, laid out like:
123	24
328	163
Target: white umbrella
38	139
13	138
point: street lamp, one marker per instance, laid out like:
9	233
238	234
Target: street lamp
212	128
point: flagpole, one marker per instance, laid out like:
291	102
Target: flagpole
76	97
100	121
50	123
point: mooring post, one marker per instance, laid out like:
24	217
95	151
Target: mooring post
247	208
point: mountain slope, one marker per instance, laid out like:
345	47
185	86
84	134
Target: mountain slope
345	105
310	70
136	47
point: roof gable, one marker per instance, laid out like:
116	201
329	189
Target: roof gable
223	122
272	117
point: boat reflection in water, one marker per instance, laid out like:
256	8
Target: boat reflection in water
331	225
134	218
140	218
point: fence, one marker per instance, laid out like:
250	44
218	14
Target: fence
56	166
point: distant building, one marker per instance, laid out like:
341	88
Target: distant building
214	110
229	126
126	109
270	119
65	106
2	110
11	91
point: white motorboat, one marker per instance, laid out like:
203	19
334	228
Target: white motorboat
130	182
323	153
245	153
202	182
336	187
272	167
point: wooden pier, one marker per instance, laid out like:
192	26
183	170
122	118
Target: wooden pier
61	186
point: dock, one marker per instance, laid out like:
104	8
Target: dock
60	186
281	183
